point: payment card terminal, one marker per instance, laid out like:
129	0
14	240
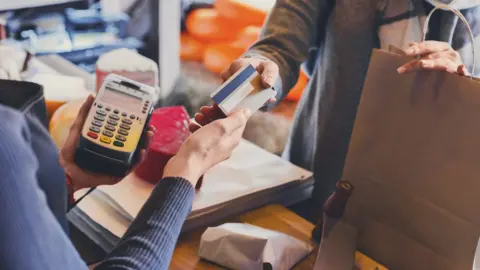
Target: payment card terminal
116	127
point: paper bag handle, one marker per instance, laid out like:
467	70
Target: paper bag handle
464	20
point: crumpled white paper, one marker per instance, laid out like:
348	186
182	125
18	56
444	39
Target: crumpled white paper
245	246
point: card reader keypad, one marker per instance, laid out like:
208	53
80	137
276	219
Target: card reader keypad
95	129
101	112
110	127
99	117
123	132
112	122
125	126
97	123
121	138
105	140
108	133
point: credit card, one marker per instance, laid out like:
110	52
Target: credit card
243	90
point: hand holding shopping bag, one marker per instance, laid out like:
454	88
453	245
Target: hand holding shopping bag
414	159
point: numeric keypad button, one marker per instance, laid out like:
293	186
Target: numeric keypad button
108	133
127	121
110	127
101	112
99	117
95	129
123	132
97	123
112	122
121	138
125	126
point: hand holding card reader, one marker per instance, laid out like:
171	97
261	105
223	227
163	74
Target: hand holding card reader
116	127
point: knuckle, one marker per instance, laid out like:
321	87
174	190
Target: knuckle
270	64
224	73
221	127
456	55
240	63
442	62
237	64
452	54
243	120
236	143
198	147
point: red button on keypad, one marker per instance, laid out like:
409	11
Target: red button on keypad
92	135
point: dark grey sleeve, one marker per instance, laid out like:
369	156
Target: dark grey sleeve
289	32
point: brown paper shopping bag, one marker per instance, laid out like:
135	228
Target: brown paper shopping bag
414	159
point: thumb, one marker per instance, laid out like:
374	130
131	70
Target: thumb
77	125
82	114
269	73
238	119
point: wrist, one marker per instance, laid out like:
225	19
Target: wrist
188	168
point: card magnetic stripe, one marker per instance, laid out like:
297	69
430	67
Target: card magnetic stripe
233	85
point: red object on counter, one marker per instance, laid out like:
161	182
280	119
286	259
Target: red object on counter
333	210
3	32
171	125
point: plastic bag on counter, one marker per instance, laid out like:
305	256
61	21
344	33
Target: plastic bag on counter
245	246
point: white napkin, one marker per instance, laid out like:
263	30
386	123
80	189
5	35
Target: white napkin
245	246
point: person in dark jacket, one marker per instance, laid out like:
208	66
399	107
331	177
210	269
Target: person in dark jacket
334	39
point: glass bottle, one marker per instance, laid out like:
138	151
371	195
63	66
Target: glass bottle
333	210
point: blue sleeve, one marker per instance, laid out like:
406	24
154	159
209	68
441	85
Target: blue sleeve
151	238
31	236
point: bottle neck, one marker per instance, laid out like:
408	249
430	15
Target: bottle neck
336	204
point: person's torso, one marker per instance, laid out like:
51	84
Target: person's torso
27	99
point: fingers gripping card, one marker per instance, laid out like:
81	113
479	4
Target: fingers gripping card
243	90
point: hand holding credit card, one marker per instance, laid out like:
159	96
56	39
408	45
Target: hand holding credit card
242	90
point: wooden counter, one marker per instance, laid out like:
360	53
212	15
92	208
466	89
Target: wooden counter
274	217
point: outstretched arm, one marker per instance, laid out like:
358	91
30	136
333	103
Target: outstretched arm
151	238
